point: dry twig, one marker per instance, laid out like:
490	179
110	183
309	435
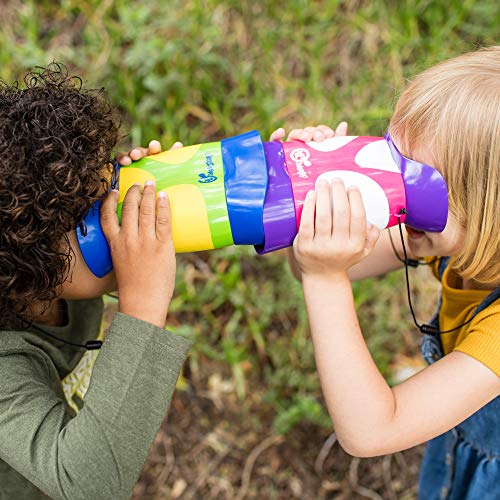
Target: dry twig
169	460
252	458
353	481
203	477
323	453
386	470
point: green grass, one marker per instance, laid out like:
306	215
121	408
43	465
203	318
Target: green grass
199	70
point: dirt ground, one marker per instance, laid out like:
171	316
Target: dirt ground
213	446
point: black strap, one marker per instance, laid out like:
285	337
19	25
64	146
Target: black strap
90	345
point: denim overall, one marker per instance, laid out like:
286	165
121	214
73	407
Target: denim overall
463	463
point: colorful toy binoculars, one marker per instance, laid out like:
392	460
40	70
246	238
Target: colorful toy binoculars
244	191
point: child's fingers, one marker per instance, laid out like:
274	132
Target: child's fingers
123	159
278	134
341	128
154	147
301	134
147	210
357	229
307	134
323	223
327	131
306	229
138	153
341	210
163	218
294	134
109	218
130	210
177	145
318	136
134	154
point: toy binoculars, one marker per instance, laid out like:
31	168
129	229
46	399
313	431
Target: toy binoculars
244	191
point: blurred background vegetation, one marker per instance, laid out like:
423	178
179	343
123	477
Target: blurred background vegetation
202	70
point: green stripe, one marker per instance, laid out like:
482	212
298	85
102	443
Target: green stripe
205	165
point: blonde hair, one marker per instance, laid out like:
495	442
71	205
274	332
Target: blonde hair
453	109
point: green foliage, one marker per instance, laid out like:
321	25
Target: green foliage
198	70
302	409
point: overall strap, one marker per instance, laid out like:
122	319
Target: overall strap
443	263
489	299
432	347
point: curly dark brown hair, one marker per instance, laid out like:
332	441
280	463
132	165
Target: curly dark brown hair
56	142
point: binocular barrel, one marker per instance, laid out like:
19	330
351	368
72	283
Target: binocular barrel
244	191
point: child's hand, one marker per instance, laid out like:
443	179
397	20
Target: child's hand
137	153
318	133
142	251
327	245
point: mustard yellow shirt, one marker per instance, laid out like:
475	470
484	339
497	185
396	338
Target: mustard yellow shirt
480	338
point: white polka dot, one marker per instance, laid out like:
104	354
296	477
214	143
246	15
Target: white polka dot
374	197
376	155
332	143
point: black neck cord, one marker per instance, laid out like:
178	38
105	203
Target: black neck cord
424	328
411	262
90	345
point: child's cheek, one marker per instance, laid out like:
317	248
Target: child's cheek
84	285
81	282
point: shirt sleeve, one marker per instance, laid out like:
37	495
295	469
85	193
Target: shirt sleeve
100	452
482	341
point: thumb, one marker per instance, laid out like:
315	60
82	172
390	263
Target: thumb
109	218
278	134
341	129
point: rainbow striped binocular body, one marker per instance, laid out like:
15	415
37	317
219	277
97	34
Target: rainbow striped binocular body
244	191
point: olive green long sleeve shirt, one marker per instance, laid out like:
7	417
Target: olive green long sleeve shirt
96	452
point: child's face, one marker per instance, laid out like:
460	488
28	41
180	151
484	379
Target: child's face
450	241
82	284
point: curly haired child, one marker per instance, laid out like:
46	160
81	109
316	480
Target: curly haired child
56	143
448	117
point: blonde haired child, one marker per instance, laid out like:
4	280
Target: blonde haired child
448	117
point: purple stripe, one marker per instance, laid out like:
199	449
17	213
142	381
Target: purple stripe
280	226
